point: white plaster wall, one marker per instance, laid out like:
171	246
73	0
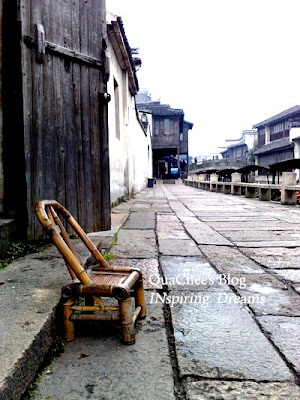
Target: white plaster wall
147	147
297	149
297	153
150	152
250	140
294	133
131	155
140	152
118	148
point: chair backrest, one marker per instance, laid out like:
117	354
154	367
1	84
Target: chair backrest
48	213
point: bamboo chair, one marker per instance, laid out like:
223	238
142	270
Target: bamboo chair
104	280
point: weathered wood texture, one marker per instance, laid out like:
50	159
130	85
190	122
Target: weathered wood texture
160	138
64	133
1	113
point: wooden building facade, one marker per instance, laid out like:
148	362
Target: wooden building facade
274	141
55	131
170	136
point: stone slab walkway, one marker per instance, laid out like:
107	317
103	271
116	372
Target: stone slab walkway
222	280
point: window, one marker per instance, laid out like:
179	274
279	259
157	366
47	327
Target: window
181	137
261	137
169	127
117	108
165	126
161	126
172	127
156	127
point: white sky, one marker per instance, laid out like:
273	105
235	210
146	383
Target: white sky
228	64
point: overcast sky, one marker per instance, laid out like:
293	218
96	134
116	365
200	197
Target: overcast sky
228	64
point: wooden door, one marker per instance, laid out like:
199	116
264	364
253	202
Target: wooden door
64	108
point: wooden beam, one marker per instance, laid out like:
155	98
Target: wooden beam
65	53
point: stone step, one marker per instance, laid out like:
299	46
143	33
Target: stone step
7	234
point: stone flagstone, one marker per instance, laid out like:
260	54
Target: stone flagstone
221	340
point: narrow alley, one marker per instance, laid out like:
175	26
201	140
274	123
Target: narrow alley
222	281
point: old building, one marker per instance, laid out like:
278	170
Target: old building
129	138
184	148
169	137
274	137
241	149
62	137
55	131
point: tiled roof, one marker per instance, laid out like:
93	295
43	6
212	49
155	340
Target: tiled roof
238	143
148	102
118	38
276	145
283	115
190	124
159	109
121	25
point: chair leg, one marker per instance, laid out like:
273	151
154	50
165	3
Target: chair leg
69	331
126	318
139	295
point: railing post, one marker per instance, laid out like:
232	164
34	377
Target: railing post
235	187
202	179
220	187
226	188
288	197
213	182
250	192
264	194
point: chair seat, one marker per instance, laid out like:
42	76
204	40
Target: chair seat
106	278
109	282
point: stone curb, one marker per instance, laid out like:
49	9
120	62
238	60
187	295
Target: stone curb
30	291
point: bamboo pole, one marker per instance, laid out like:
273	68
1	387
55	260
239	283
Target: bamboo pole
104	290
131	279
127	325
94	317
94	308
69	331
67	254
55	220
121	292
115	269
136	313
83	236
139	295
64	234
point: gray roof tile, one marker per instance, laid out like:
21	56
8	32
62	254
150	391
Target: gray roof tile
283	115
159	109
276	145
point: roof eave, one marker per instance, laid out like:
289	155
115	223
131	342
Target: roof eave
118	41
258	152
189	124
278	117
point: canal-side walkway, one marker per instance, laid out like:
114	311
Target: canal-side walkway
222	276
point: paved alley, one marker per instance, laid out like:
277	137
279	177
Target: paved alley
222	276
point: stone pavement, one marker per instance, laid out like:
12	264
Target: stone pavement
223	282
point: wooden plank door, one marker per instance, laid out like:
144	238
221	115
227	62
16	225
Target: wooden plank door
64	75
